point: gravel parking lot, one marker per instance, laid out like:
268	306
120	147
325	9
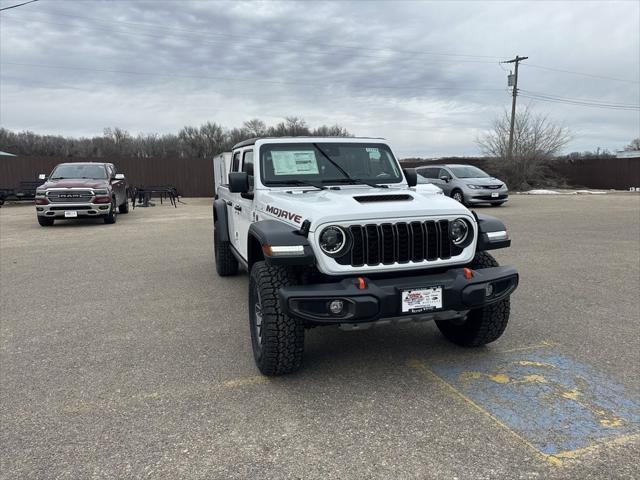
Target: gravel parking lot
124	355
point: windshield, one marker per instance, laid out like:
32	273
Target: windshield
79	171
325	163
468	171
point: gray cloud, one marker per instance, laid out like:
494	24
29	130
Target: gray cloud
405	76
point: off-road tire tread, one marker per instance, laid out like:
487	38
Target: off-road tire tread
226	263
483	325
283	346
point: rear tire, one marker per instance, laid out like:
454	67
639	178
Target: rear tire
276	338
111	217
483	325
226	263
45	221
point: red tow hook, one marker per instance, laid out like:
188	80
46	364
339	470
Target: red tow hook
361	283
468	273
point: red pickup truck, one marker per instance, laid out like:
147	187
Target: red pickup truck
76	190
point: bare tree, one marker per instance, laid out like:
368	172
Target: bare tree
255	127
634	145
536	141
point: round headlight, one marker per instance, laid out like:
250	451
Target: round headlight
333	240
458	231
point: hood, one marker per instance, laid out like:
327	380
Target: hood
75	183
481	181
354	204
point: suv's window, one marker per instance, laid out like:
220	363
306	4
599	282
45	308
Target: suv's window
247	162
325	162
428	172
443	173
235	165
468	171
79	170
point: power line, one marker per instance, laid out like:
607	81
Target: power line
581	104
239	79
605	77
579	100
18	5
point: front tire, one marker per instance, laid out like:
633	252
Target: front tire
458	196
276	338
226	263
111	217
45	221
124	208
483	325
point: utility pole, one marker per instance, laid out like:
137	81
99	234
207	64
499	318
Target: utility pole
517	61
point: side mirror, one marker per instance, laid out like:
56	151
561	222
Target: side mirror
411	175
444	178
238	182
118	176
42	176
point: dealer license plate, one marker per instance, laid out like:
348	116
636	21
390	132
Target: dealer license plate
70	214
494	194
417	300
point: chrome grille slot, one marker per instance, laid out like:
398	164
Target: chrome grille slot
69	196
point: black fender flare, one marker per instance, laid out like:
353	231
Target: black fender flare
220	216
276	233
487	224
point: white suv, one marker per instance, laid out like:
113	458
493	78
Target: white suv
333	231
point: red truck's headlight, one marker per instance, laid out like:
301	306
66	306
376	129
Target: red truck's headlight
102	200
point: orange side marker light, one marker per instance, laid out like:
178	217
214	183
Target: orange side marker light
361	283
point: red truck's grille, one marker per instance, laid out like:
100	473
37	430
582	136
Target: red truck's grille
70	196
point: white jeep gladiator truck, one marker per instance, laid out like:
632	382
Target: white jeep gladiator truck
333	232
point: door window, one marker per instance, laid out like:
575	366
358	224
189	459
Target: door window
235	165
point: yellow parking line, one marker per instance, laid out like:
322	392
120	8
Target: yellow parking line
623	440
426	371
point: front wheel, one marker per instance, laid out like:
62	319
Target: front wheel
112	216
458	196
277	339
124	208
482	325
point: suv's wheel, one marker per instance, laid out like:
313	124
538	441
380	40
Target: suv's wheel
458	196
482	325
112	216
45	221
226	263
124	208
277	339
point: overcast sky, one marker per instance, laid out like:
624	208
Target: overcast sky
424	75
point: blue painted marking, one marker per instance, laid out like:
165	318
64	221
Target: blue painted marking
557	404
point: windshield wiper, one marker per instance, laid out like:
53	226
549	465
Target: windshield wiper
348	178
299	182
355	181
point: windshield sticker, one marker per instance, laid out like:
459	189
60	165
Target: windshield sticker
294	162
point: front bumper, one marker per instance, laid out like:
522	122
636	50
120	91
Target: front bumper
56	210
485	196
381	298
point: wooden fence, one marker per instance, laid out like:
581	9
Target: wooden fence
193	177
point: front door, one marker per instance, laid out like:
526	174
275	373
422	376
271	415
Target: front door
244	205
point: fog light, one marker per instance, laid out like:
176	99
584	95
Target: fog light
488	290
336	307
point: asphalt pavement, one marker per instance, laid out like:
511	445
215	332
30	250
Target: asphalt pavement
123	355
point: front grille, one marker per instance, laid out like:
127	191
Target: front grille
402	242
493	187
75	207
489	197
70	196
